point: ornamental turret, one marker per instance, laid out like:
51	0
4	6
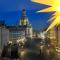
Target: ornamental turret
24	19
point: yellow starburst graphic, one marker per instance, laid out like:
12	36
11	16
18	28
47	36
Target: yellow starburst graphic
54	6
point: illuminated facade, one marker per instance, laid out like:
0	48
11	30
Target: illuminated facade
24	19
4	35
24	22
52	35
23	29
58	36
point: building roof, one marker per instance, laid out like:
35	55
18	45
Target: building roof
14	28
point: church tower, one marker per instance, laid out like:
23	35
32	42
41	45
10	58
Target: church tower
26	26
24	19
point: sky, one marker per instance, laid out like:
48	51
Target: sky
10	12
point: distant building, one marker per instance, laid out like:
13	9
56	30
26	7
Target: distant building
58	36
52	36
4	34
24	23
22	29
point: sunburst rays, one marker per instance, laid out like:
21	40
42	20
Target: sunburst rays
54	6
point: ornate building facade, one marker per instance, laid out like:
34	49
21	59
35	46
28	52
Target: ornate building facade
4	35
22	30
52	34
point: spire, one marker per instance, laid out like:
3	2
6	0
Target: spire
23	12
24	19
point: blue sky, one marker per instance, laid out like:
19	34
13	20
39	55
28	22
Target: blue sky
10	11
